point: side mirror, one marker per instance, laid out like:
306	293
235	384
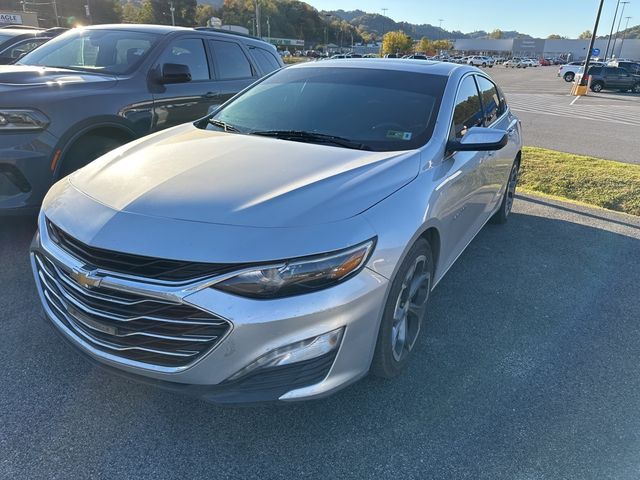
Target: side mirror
175	73
480	139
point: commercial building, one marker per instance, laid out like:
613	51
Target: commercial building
18	18
536	47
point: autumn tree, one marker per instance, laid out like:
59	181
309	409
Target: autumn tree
157	11
554	36
203	14
585	35
496	34
396	42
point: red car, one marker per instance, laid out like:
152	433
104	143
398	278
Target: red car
545	62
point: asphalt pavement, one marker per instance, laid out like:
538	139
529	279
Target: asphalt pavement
604	125
526	369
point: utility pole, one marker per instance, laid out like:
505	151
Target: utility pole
613	48
268	28
440	20
613	24
384	13
624	35
258	28
172	8
55	12
87	11
585	75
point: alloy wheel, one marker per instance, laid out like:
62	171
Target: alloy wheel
511	188
410	308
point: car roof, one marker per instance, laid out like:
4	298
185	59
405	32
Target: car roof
398	64
135	27
19	31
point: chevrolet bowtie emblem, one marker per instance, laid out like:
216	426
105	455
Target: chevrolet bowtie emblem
87	279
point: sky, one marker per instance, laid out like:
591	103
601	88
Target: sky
538	18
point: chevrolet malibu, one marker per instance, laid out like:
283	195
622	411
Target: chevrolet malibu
287	244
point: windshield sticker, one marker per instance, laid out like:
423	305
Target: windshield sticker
399	135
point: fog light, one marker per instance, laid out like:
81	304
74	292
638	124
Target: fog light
295	352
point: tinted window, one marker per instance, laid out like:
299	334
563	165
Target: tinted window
467	112
622	71
231	61
22	47
491	103
190	52
109	51
383	109
265	60
595	71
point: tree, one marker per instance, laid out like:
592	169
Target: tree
496	34
586	35
157	11
131	13
554	36
396	42
203	14
424	45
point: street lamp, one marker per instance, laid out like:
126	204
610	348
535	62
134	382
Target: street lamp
613	48
624	35
613	24
172	9
585	75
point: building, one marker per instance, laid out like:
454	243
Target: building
537	47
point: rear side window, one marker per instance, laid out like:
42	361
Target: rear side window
491	103
189	52
467	112
265	60
231	62
595	71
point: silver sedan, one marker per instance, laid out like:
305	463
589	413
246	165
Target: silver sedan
287	244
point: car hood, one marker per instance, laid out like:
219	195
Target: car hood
186	173
29	76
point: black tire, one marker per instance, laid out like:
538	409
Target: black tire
490	66
503	212
484	64
386	362
636	88
597	87
85	150
569	77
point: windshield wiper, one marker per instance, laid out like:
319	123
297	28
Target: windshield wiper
311	137
223	125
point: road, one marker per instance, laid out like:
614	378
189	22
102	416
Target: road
526	369
605	125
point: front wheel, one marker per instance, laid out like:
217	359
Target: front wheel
597	87
404	311
507	200
569	76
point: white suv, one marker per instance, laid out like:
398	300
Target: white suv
478	61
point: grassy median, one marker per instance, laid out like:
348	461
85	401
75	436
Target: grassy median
603	183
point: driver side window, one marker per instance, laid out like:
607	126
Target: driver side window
467	112
189	52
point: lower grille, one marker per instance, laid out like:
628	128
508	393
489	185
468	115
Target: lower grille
128	325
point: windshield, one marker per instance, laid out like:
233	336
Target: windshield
106	51
380	110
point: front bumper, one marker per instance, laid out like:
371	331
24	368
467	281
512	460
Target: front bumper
257	327
25	173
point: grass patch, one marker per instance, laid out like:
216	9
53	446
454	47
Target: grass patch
593	181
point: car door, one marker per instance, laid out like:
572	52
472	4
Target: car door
495	167
460	192
177	103
233	69
625	80
611	77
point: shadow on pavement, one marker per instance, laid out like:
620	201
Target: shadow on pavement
526	368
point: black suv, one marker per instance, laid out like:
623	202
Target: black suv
613	78
93	89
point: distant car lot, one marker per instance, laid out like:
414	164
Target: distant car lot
603	125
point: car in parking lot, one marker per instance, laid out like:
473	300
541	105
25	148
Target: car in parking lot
287	244
613	78
481	61
91	90
16	42
515	62
568	71
629	66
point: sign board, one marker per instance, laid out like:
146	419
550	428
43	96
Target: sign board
10	18
595	52
285	41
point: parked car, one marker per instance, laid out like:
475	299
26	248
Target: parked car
613	78
629	66
416	56
528	62
515	62
91	90
569	71
480	61
287	244
16	42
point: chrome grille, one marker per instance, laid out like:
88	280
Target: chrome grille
128	325
153	269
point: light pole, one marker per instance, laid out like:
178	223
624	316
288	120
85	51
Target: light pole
268	28
55	12
624	35
613	48
258	27
384	13
613	23
172	9
585	75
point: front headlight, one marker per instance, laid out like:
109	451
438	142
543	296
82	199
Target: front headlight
11	119
301	275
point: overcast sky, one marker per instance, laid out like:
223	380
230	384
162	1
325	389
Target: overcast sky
538	18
